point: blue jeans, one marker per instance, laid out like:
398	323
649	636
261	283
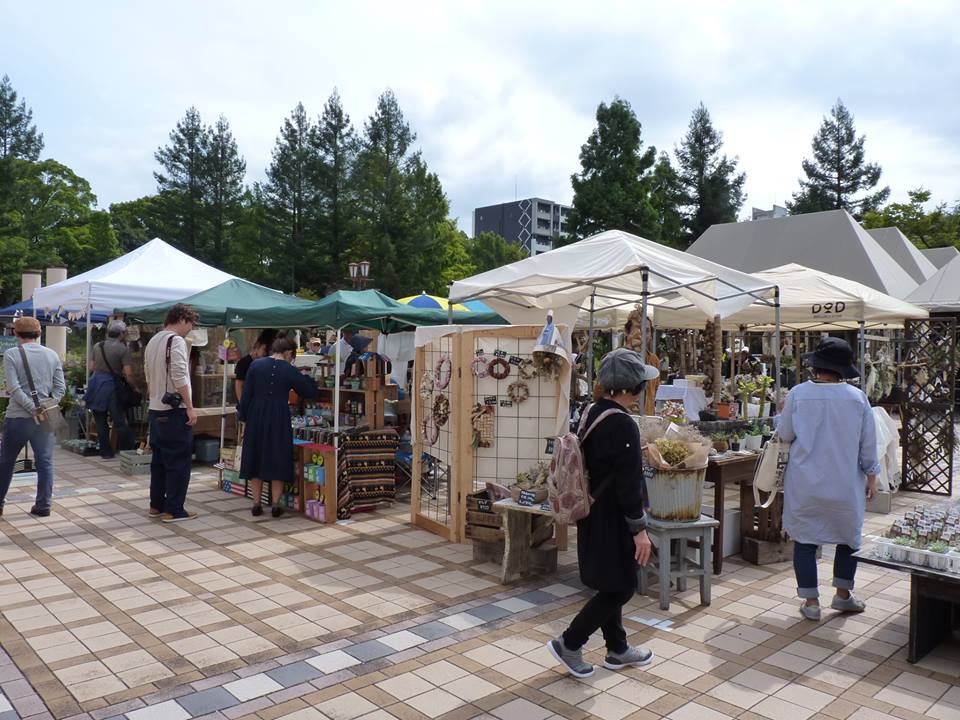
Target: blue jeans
171	440
120	424
17	432
805	566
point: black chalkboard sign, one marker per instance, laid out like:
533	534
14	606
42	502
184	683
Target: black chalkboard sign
484	505
479	352
514	360
500	353
549	448
506	403
527	498
490	400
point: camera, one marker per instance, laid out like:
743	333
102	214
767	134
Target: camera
173	399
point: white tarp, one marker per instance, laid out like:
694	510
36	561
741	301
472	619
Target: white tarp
155	272
831	241
608	265
809	300
942	290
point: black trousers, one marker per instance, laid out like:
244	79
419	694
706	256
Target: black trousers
172	442
604	611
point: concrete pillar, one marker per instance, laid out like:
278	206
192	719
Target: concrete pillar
57	336
30	280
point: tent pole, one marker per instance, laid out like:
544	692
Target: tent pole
593	297
862	338
86	359
776	348
449	306
336	409
223	395
644	292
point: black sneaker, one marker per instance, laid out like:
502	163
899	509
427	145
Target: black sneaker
39	511
256	510
572	660
633	656
277	511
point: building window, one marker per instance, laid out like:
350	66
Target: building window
543	208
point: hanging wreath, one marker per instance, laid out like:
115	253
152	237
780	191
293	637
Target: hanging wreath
479	366
442	372
426	386
527	369
518	391
434	433
441	411
431	433
499	369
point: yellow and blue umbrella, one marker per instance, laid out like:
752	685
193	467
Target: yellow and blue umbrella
431	302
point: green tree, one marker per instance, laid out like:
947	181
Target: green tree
18	135
666	197
291	192
712	189
611	191
137	222
839	170
335	146
937	228
181	183
488	250
223	184
454	258
429	209
252	252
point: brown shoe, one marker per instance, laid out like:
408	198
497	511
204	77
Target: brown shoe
168	518
154	513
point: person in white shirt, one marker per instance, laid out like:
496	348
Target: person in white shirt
172	415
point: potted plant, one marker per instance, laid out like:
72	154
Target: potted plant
762	386
725	405
754	438
735	442
898	551
745	388
677	458
938	558
721	442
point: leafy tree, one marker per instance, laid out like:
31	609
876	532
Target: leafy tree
666	197
335	145
937	228
454	258
252	252
712	189
181	183
839	170
488	250
291	192
611	192
223	176
429	209
18	135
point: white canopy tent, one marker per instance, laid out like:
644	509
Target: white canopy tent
609	271
908	255
942	291
809	300
154	272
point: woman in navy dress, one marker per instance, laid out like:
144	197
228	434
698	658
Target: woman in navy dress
268	438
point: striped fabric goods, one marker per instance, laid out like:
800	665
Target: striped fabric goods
367	471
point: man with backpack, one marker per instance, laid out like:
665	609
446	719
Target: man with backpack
611	534
110	384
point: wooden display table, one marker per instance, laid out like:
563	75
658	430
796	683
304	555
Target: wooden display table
732	469
672	561
934	603
518	556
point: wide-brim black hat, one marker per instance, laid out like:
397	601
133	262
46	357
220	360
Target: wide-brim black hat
833	354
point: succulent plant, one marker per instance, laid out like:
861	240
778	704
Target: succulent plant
673	452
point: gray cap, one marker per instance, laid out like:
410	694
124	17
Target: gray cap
116	328
624	369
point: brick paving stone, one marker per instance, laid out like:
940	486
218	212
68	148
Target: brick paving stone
369	650
207	701
294	674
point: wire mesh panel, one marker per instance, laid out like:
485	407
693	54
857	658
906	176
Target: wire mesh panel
929	362
435	422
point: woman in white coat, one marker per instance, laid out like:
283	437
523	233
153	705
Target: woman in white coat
831	473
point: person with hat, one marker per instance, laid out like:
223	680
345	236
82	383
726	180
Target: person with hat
612	539
314	346
831	473
28	365
110	358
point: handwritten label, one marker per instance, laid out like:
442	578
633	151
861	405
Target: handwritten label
479	352
484	505
506	403
549	449
514	360
490	400
546	507
500	353
528	498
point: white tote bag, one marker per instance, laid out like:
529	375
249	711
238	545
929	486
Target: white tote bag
770	470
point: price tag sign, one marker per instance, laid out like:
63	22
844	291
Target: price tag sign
506	403
549	449
479	352
485	505
490	400
528	498
546	507
514	360
500	353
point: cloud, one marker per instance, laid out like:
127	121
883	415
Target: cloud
501	95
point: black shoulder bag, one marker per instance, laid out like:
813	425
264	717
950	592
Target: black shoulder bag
127	395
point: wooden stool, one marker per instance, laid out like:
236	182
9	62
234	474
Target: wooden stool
672	561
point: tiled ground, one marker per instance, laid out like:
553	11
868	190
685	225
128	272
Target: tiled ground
107	614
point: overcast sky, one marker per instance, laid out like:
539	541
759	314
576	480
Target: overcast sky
501	94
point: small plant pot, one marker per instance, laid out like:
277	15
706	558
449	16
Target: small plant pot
752	442
898	553
721	446
938	561
882	548
735	445
953	561
540	493
724	411
916	556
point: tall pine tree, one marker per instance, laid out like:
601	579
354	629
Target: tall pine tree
611	192
839	171
291	192
224	174
181	183
712	189
18	135
335	146
666	197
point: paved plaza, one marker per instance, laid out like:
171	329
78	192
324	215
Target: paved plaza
105	613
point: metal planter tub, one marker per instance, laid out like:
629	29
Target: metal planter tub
676	495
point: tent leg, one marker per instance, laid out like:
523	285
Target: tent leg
862	342
223	396
86	358
644	292
593	297
336	409
776	349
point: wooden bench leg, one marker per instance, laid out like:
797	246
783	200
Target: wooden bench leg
681	544
516	548
561	536
664	558
705	552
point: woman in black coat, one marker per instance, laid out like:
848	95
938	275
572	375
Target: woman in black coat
268	439
612	539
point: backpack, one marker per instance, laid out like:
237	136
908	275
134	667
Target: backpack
568	484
